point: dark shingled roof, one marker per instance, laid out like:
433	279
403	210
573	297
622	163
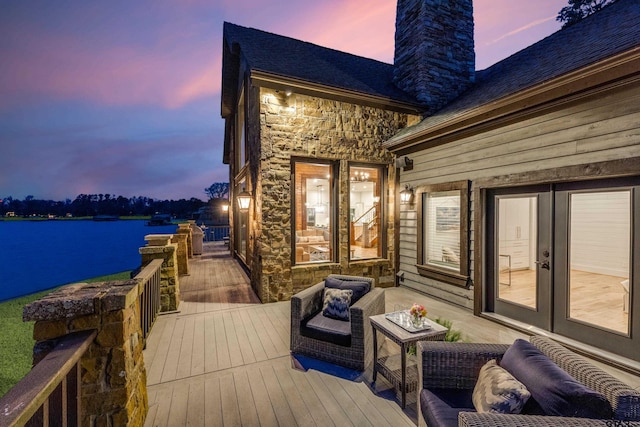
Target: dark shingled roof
293	58
612	30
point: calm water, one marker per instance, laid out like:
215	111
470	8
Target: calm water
39	255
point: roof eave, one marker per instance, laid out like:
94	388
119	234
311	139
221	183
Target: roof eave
606	72
280	82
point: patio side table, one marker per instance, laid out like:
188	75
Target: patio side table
404	378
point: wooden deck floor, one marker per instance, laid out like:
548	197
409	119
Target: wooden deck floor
223	359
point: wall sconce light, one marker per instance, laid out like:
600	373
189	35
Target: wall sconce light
244	199
406	195
225	207
376	199
405	163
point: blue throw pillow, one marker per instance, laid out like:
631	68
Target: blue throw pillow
336	303
557	392
359	288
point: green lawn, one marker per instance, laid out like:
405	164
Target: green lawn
16	338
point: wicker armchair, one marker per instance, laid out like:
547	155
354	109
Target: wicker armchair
456	366
358	355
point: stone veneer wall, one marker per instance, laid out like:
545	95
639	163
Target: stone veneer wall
434	50
311	128
114	378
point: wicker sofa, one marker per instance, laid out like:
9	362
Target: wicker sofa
351	345
448	373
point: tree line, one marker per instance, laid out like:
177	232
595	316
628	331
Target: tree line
100	204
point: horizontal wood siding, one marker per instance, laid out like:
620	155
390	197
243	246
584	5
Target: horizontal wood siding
593	130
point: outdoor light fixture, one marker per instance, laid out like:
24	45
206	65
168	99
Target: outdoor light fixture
225	207
244	199
406	195
405	163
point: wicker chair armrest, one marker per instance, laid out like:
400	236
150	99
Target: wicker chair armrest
454	365
474	419
370	304
306	302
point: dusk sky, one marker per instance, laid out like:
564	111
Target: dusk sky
123	97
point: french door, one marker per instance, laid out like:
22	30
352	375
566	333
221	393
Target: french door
520	242
562	259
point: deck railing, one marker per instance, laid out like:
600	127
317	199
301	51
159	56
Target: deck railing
149	288
50	393
216	233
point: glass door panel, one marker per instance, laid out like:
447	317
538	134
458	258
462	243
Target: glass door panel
519	226
599	248
517	220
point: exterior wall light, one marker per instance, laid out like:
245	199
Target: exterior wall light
244	199
225	207
405	163
406	195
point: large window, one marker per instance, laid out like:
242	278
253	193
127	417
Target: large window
365	212
240	149
314	207
443	218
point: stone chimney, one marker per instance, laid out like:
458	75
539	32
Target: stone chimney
434	56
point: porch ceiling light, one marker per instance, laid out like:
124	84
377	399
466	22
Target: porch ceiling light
244	199
406	195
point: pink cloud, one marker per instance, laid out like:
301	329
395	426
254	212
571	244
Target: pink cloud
361	28
52	65
503	27
201	84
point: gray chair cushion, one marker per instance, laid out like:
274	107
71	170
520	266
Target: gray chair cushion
327	329
440	406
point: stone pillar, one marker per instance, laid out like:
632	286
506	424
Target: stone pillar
186	229
182	253
114	379
160	247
